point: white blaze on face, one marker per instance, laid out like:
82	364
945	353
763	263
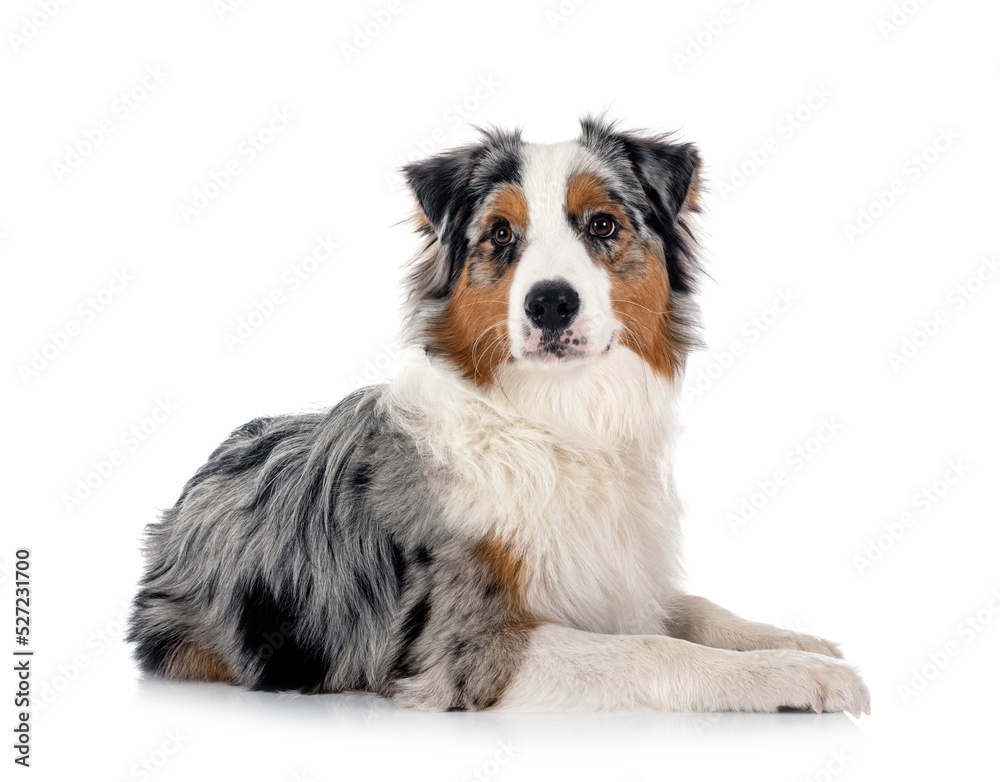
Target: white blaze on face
555	251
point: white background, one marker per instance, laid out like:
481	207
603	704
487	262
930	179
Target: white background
890	87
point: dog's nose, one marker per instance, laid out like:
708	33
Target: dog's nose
551	305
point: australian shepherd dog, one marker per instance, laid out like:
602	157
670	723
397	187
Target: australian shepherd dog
498	527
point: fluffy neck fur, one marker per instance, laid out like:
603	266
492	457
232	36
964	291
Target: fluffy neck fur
610	403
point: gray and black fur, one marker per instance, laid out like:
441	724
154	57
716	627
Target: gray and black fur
304	556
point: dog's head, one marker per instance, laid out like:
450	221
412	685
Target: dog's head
555	255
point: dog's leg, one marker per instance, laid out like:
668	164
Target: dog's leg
702	622
465	640
564	668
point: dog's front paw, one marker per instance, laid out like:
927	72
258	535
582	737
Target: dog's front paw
786	639
803	680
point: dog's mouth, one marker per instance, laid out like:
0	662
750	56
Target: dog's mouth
555	347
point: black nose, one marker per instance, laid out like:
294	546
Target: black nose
552	305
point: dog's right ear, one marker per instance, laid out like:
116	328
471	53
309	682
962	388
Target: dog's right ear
438	183
449	188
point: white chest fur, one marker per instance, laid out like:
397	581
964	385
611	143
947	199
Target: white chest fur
567	469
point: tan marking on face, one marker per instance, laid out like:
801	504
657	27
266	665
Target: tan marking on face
190	662
586	194
472	333
640	288
508	202
641	301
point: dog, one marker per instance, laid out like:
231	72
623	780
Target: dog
497	528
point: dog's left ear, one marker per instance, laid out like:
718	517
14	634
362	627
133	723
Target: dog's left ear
669	175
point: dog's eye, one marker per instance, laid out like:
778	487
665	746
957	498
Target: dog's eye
502	234
602	226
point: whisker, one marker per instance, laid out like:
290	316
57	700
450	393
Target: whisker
637	304
484	301
486	350
492	347
629	334
648	328
482	334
